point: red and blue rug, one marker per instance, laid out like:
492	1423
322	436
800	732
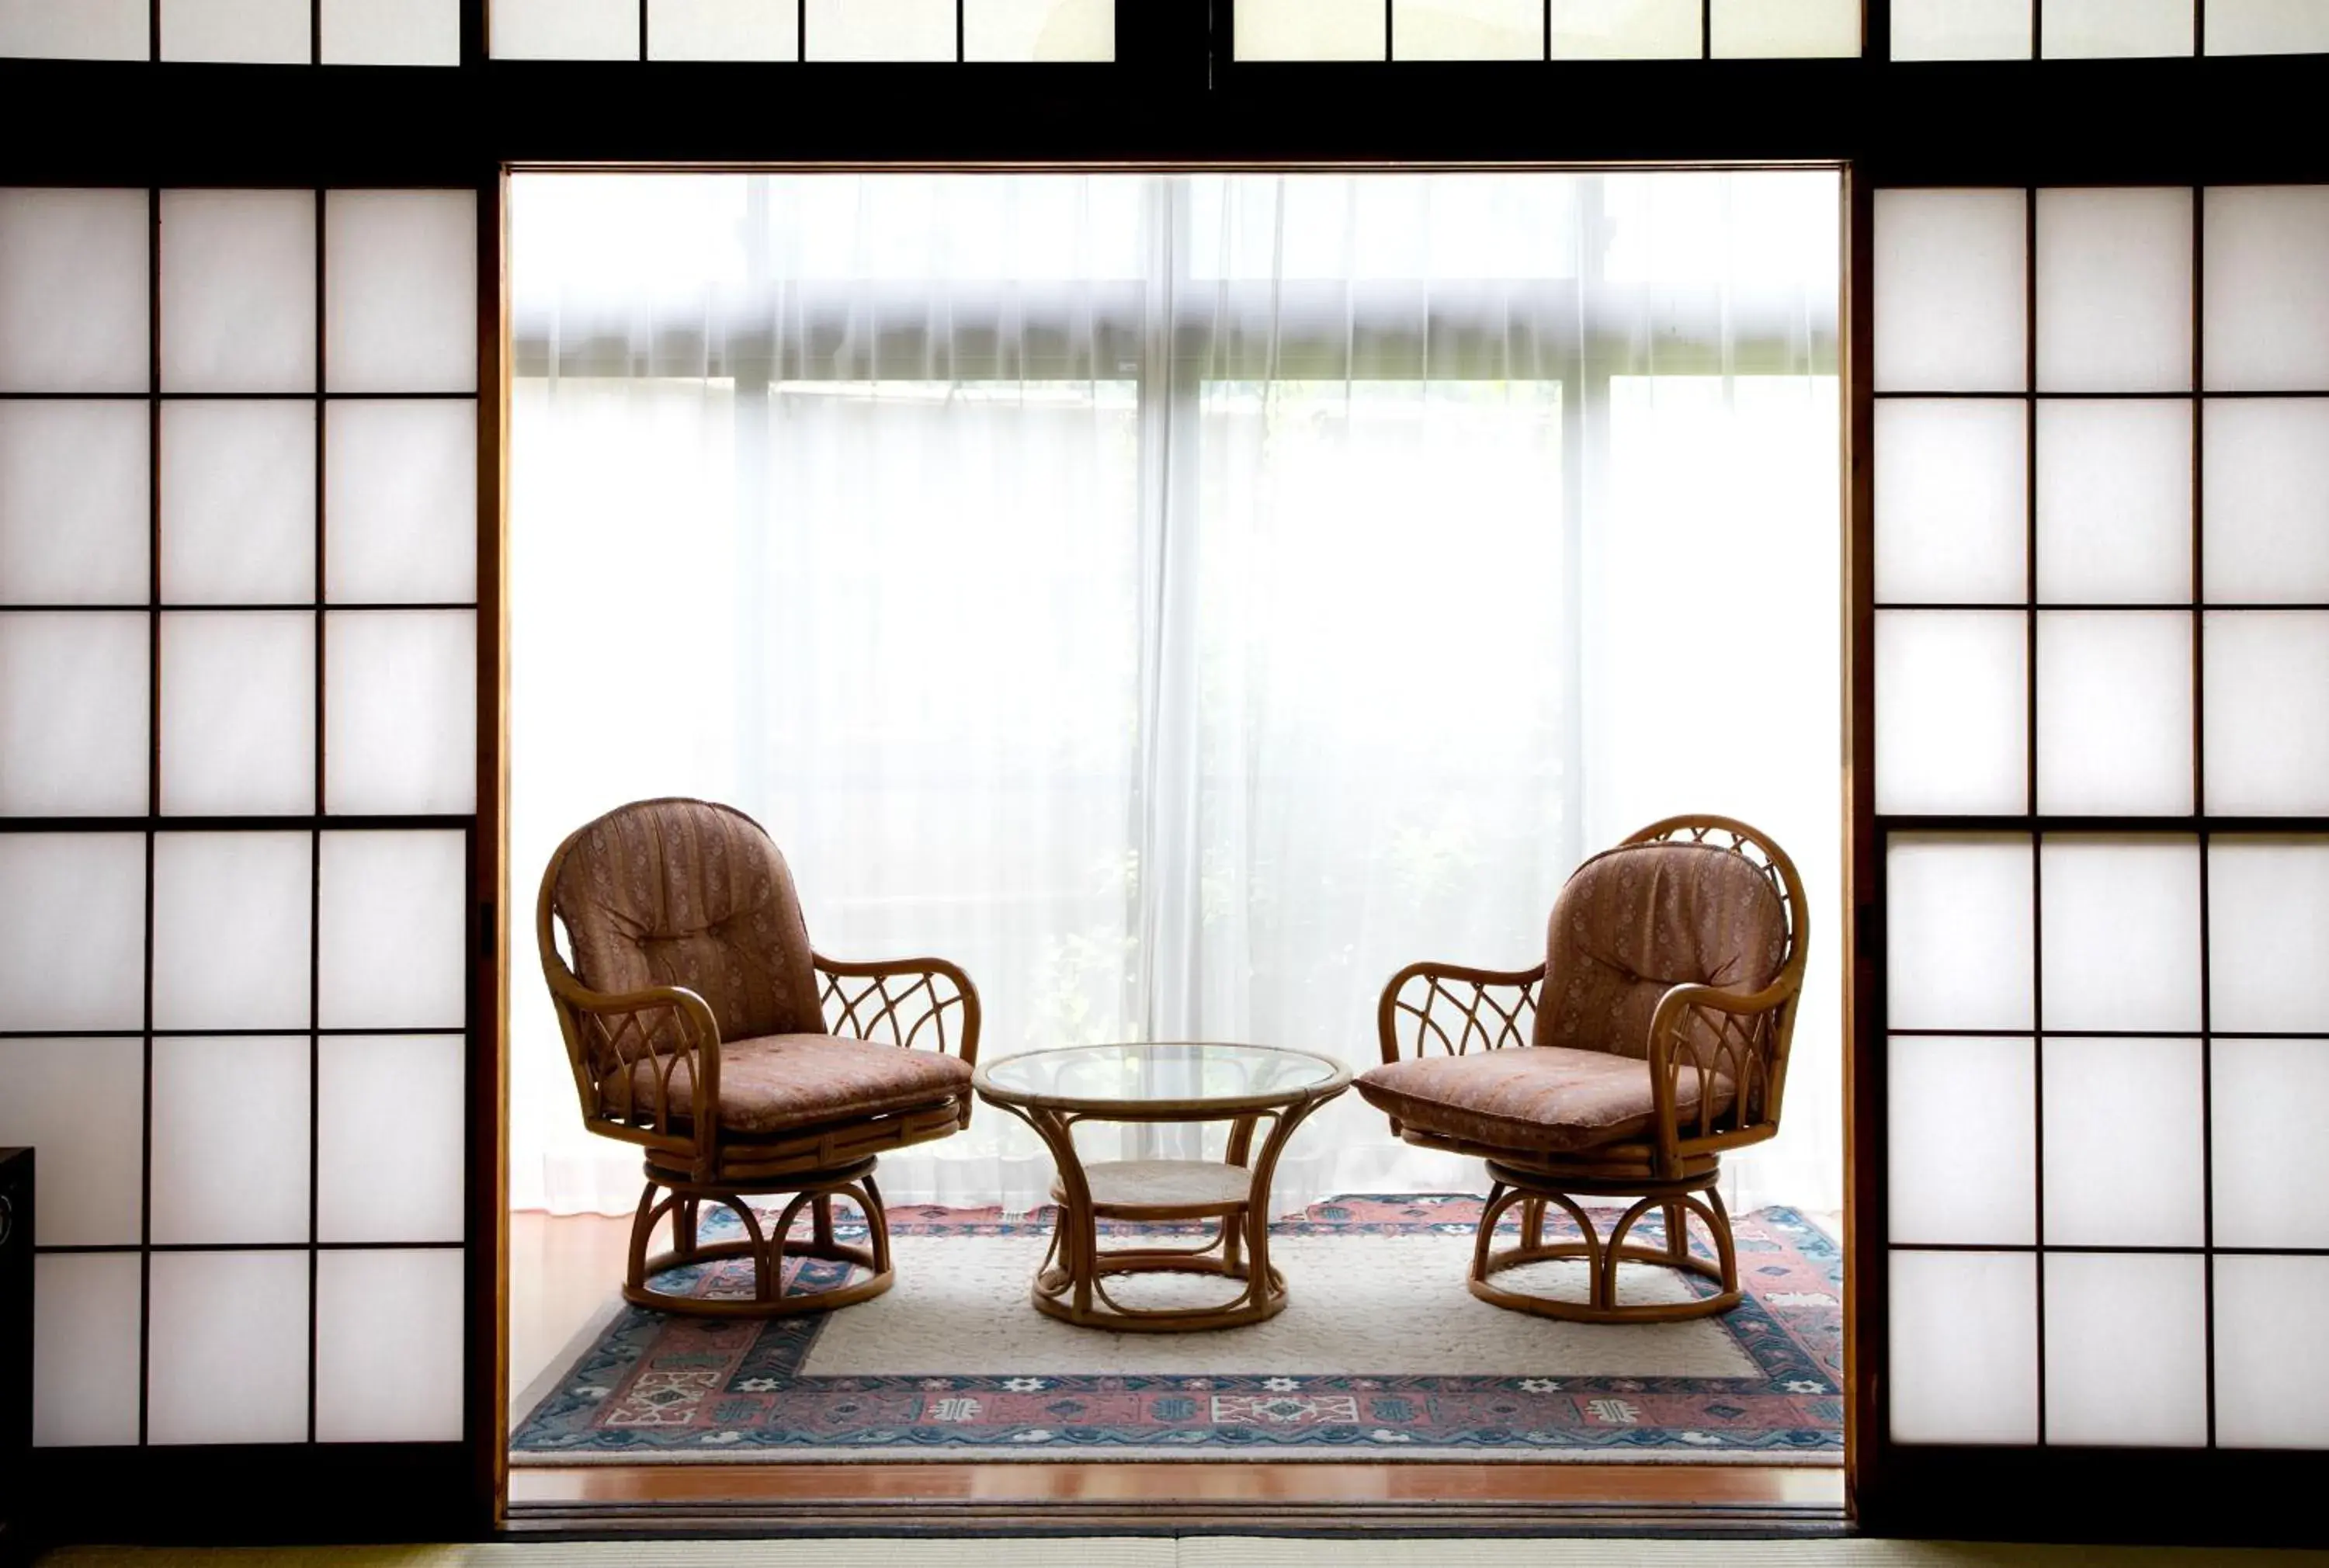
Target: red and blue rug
824	1387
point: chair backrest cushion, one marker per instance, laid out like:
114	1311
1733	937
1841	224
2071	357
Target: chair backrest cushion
689	893
1637	921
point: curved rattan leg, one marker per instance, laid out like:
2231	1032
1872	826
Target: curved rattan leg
767	1272
1726	1249
1604	1258
1492	1213
635	1268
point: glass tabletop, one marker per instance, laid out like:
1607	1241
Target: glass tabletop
1158	1077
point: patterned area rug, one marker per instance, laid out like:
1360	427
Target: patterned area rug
1380	1352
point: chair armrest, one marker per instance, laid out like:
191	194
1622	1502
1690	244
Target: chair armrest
1438	997
900	1001
624	1024
1748	1047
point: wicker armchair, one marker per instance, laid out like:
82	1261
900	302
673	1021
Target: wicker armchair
702	1026
1654	1038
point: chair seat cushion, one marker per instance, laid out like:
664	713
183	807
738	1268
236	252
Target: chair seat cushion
780	1082
1540	1099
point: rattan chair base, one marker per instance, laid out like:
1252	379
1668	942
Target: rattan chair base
769	1249
1603	1256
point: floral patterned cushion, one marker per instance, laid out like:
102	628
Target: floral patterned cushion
780	1082
689	893
1537	1098
1637	921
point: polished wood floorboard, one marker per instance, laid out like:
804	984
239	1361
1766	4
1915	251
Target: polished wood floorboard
1225	1482
564	1271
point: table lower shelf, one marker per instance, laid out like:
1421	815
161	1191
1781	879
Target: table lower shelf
1188	1188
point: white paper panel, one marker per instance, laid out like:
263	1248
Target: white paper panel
1786	29
2272	1360
238	286
2267	719
1952	711
1961	29
227	1347
400	707
73	931
1962	1129
1951	291
401	291
230	930
565	28
80	1101
247	32
1293	30
1626	29
85	1351
2121	923
2125	1129
2268	288
75	503
76	30
2113	290
2115	501
389	1347
2114	713
723	29
1467	29
1961	938
230	1139
238	502
891	30
382	1179
2268	927
2116	29
74	311
2266	1098
395	905
1952	501
73	701
1965	1348
2265	489
2126	1350
401	502
391	32
238	713
2267	27
1047	30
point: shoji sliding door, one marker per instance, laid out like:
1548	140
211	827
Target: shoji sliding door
2101	855
239	809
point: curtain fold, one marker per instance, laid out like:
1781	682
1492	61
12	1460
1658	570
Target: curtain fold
1181	601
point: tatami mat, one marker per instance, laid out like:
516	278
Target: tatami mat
1197	1553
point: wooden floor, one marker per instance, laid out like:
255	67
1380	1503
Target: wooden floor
564	1273
1243	1482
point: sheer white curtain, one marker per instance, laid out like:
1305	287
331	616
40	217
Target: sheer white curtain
1181	600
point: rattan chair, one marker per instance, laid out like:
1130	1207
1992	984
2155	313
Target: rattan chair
1651	1040
702	1026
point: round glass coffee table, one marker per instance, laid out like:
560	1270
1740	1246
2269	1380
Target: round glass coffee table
1053	1091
